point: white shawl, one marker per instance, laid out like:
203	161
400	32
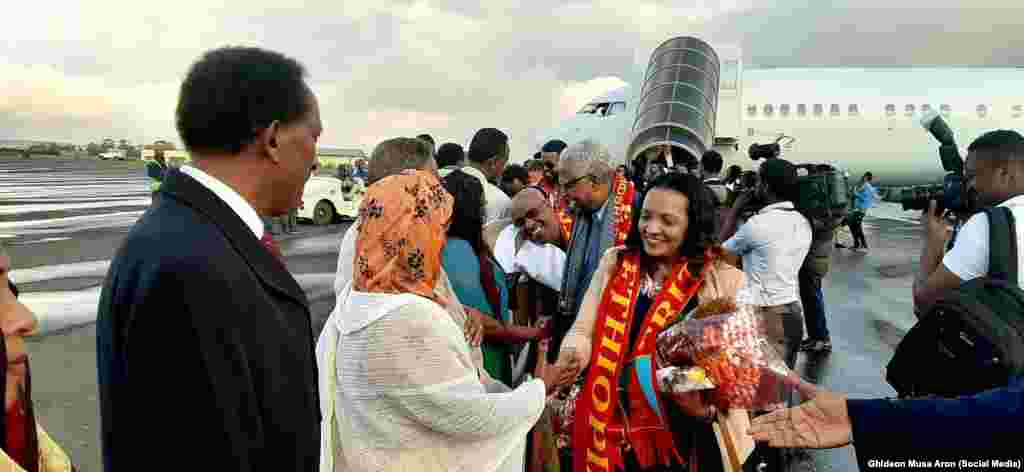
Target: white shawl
397	377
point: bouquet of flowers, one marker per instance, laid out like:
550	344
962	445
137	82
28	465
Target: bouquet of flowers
727	342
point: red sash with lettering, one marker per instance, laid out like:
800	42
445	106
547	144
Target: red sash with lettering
623	194
601	430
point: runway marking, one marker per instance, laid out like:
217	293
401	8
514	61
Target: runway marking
39	241
41	207
58	311
63	221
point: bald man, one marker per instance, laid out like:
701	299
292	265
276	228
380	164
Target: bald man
531	241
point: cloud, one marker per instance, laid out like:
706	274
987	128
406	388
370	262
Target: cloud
384	68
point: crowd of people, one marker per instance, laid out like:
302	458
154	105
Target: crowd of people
476	303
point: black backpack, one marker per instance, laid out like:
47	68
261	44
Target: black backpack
973	339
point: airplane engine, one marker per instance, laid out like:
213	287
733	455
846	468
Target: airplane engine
678	100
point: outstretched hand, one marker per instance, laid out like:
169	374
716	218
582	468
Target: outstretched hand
821	423
474	326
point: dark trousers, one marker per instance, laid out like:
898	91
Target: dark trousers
813	304
784	326
856	223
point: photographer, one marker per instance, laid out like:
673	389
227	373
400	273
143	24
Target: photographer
995	172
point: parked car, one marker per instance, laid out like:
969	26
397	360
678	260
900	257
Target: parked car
327	199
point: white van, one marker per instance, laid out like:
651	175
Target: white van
327	199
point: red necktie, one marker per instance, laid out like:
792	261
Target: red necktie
271	245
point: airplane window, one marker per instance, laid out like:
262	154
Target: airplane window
834	109
801	109
926	108
945	109
890	109
769	110
819	109
982	110
784	110
729	75
909	109
853	110
1018	111
751	110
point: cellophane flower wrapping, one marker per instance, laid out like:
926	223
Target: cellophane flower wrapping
735	354
563	405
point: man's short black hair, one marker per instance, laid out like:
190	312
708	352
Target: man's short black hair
711	161
780	176
555	145
515	171
535	164
232	93
487	144
426	137
450	154
1003	145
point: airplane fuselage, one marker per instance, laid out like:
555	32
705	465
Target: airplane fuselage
861	119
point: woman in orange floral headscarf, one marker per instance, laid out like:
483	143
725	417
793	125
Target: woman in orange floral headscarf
399	390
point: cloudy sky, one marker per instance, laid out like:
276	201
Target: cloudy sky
78	71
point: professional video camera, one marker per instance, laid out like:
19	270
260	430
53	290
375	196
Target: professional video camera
951	196
770	150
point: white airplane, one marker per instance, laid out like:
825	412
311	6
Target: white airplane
863	119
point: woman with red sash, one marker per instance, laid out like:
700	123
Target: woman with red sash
668	266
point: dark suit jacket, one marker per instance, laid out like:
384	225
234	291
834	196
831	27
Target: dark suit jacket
984	426
205	347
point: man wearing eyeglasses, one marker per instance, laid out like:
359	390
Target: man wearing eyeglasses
587	178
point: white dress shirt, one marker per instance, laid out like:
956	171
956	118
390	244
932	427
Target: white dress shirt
773	244
239	205
543	263
498	204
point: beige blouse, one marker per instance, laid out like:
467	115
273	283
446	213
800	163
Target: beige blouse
723	280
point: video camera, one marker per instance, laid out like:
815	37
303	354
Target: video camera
768	151
951	196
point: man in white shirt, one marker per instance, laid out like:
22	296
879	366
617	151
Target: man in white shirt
488	153
995	170
773	244
532	241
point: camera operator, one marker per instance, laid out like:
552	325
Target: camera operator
773	244
994	171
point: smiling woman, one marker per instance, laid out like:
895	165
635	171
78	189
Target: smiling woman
669	264
24	446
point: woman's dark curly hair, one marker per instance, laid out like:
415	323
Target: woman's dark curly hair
702	232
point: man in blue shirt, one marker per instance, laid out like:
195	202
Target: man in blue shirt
864	198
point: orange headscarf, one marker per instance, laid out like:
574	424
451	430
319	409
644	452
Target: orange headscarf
403	222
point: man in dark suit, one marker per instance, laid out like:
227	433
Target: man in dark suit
205	347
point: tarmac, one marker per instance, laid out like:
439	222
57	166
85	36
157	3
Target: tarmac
63	219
